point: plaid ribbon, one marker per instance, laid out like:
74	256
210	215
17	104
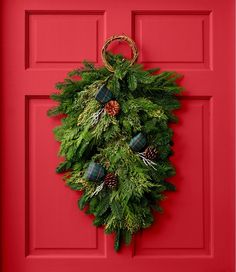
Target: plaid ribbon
103	95
95	172
138	142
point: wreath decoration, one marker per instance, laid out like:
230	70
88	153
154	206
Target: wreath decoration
116	140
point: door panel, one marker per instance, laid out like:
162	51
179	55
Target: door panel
51	207
42	227
53	39
181	38
188	218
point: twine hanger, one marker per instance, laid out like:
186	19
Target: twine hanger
125	38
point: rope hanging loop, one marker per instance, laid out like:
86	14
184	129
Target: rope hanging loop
125	38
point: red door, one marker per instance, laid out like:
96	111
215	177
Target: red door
42	228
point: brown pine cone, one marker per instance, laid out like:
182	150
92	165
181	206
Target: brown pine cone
150	153
111	180
112	107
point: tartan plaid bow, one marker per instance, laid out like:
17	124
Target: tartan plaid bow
95	172
138	142
103	95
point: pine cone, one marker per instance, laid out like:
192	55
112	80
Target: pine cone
111	180
150	153
112	107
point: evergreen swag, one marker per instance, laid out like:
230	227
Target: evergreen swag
135	187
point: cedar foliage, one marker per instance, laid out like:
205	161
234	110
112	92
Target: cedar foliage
147	99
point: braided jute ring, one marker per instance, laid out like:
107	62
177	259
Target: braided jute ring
119	38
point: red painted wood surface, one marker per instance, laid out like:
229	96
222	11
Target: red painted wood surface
42	228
